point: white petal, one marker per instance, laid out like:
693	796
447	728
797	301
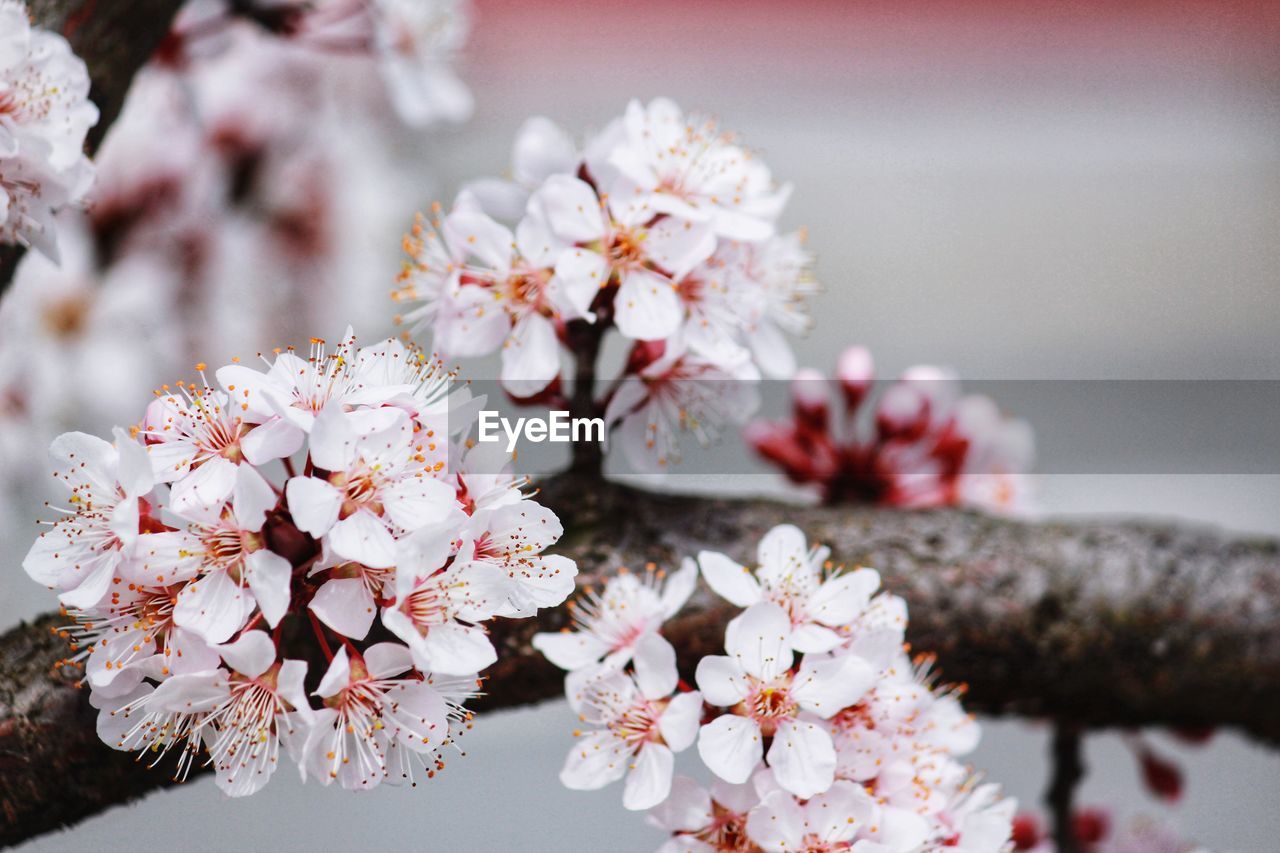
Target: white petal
647	307
595	760
276	438
269	575
207	486
135	472
811	638
415	502
346	606
572	208
649	781
655	665
364	538
250	655
721	680
570	650
680	720
214	606
337	676
678	246
688	808
387	659
531	356
760	640
842	599
191	693
731	747
453	649
679	586
777	824
251	499
838	814
824	686
313	503
803	758
731	581
782	551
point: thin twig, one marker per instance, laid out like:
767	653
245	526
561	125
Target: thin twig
1067	762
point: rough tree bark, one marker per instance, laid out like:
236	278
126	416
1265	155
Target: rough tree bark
115	38
1098	624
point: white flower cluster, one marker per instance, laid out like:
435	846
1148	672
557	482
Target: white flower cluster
45	113
660	226
819	731
201	583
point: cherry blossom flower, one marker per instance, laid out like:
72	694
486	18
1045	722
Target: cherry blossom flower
82	552
414	42
791	576
197	581
770	700
704	821
637	727
609	624
661	228
45	114
924	444
829	821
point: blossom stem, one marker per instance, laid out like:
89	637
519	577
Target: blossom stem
318	630
1068	771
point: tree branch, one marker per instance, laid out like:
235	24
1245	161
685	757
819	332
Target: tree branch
115	38
1067	762
1097	624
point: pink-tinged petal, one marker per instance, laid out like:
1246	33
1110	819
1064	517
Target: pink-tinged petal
687	809
680	720
572	209
777	824
385	660
422	552
364	538
655	666
825	686
290	685
337	676
252	654
679	586
313	503
191	693
269	576
74	449
471	322
731	747
595	760
647	307
206	486
730	580
721	680
251	499
802	757
275	438
346	606
771	351
810	638
187	652
760	640
901	829
570	650
649	781
531	356
214	606
838	814
677	246
418	716
416	502
842	599
453	649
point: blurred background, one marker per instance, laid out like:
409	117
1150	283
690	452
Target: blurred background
1079	190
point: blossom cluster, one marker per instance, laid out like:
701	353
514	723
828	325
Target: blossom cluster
660	226
240	199
323	510
921	443
818	730
45	113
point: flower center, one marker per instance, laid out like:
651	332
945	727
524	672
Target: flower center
637	725
770	704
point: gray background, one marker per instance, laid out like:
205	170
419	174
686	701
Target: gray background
990	195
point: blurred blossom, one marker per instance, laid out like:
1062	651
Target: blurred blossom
45	114
240	202
920	443
661	228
